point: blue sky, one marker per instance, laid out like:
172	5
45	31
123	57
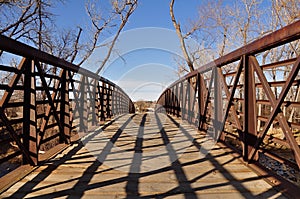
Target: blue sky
150	13
147	63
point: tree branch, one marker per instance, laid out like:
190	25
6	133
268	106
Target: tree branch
132	5
179	34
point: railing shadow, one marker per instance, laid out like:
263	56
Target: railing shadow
53	165
186	185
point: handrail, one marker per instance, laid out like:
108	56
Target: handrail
53	106
272	40
238	102
10	45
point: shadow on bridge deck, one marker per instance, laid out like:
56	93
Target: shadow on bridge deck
144	156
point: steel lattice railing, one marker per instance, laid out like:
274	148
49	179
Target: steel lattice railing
48	100
248	90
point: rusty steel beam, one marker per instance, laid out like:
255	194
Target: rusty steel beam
248	132
188	100
13	83
93	103
202	94
83	117
284	35
249	126
285	103
96	103
291	124
195	108
230	97
30	137
218	104
9	45
58	97
206	102
51	106
102	103
65	133
276	107
5	99
269	66
92	97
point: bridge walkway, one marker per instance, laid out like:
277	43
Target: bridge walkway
144	155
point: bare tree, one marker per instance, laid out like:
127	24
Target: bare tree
33	21
181	37
123	9
221	28
285	12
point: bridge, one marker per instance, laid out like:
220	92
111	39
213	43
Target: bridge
229	129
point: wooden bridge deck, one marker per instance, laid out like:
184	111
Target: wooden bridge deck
143	156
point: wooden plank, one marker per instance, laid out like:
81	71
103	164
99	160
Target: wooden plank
77	173
11	178
52	152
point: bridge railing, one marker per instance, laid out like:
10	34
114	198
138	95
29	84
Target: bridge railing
46	101
252	94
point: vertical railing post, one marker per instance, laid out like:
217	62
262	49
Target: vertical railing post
250	131
104	92
166	102
102	115
108	101
94	102
98	97
171	101
176	103
65	108
201	99
71	101
120	111
188	100
194	102
118	102
182	95
114	103
29	114
200	94
218	105
111	89
83	114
